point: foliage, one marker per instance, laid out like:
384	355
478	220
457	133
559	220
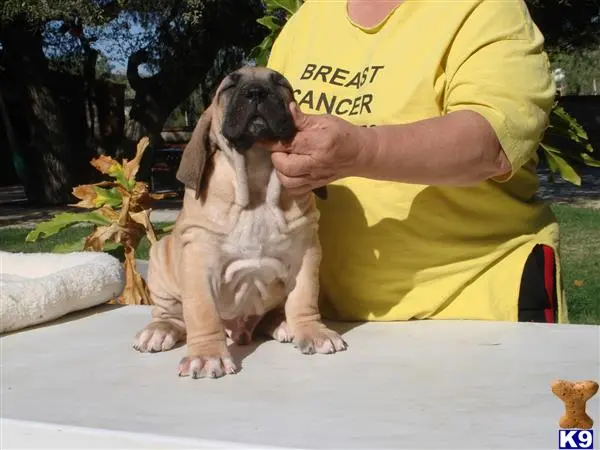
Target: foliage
581	67
39	11
567	24
277	13
563	130
120	215
566	145
168	49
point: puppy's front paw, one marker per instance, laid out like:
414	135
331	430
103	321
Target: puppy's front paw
206	367
317	338
158	337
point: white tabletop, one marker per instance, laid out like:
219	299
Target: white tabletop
78	383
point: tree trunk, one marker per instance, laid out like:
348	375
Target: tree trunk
155	98
49	180
55	158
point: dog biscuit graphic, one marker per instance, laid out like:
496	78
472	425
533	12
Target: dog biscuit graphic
575	396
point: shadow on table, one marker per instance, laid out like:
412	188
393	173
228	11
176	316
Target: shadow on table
241	352
75	315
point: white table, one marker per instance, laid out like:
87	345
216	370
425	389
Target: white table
79	384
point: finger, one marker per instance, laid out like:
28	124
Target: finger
294	184
301	120
275	146
292	165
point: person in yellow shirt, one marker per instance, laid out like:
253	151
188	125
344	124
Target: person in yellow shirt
423	119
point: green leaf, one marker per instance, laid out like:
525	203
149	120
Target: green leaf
261	52
564	119
269	23
567	133
64	220
77	246
558	164
165	229
589	161
572	153
291	6
111	245
111	197
117	171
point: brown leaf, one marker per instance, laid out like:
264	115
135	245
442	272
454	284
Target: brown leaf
140	197
104	164
86	194
143	218
131	234
136	290
132	167
95	241
109	213
124	213
578	283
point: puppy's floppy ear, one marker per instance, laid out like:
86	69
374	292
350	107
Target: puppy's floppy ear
196	153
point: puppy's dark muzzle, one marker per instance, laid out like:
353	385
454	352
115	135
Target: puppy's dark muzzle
256	112
256	94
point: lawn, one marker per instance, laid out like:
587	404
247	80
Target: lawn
580	252
13	240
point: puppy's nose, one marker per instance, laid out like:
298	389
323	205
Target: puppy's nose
256	93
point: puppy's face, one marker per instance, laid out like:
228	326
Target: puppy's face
254	105
250	105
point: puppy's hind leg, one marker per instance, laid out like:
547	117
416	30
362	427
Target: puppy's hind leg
167	327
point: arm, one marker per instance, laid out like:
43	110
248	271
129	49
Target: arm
498	96
461	148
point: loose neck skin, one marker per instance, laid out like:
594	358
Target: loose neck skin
257	184
262	183
256	180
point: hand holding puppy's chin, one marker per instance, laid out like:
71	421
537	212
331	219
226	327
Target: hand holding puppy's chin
324	149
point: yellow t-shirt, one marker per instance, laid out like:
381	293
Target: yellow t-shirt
395	251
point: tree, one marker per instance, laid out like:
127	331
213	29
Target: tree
582	71
41	99
196	44
188	43
35	93
567	24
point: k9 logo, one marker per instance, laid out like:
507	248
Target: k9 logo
575	439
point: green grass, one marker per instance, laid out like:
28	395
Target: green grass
580	254
580	258
13	240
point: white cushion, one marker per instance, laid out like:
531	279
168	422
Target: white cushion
40	287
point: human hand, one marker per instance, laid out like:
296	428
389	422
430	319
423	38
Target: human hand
325	148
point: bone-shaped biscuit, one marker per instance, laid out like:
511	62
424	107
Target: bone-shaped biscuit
575	396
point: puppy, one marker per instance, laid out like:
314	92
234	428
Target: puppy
244	255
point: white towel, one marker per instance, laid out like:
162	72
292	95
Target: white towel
40	287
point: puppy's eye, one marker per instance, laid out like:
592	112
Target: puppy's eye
280	80
231	81
227	86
